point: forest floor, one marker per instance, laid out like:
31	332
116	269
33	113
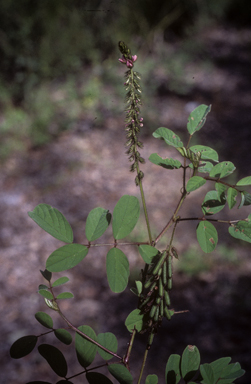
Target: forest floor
85	169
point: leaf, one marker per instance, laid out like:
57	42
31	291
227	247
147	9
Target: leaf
168	136
97	222
165	163
194	183
190	362
23	346
60	281
139	287
211	203
147	253
86	351
223	169
245	181
46	274
242	200
231	372
65	295
207	236
54	358
63	335
207	373
64	381
219	365
242	230
66	257
53	222
117	269
44	319
45	293
197	118
220	188
135	320
125	216
109	341
206	167
247	198
207	153
97	378
120	373
42	286
172	373
152	379
39	382
231	197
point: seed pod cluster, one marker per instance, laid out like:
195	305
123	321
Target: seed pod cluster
155	303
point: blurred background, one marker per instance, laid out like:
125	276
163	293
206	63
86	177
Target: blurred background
62	143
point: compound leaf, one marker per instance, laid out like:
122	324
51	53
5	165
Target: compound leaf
242	230
151	379
172	373
231	197
44	319
223	169
117	269
148	253
63	335
168	136
212	204
194	183
97	378
197	118
125	216
86	350
66	257
165	163
109	341
23	346
96	223
190	362
53	222
134	321
54	358
121	373
207	236
207	153
60	281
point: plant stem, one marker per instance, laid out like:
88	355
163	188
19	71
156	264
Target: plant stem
145	209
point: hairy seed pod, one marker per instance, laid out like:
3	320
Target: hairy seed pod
169	284
152	312
161	308
159	263
170	272
167	298
167	313
160	293
150	340
149	282
164	273
156	316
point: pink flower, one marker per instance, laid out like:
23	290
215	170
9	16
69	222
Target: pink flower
128	62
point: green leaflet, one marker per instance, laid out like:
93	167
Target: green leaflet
65	295
125	216
245	181
23	346
165	163
117	269
194	183
172	373
134	320
231	197
53	222
245	199
54	358
63	335
242	231
44	319
206	167
66	257
197	118
223	169
120	373
168	136
207	373
45	293
220	188
97	223
60	281
109	341
86	351
151	379
212	204
148	252
190	362
207	153
207	236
